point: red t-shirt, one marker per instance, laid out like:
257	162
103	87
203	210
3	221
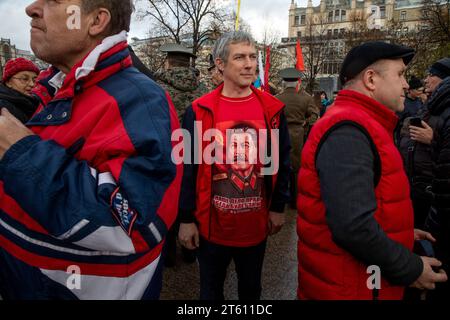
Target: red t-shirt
239	209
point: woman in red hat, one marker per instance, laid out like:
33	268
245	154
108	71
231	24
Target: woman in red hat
19	78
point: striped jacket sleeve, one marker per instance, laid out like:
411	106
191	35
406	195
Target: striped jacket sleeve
125	204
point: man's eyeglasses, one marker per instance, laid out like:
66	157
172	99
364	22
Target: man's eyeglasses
25	80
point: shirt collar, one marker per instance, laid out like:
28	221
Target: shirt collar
57	81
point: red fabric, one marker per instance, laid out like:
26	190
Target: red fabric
300	66
238	199
96	125
326	271
104	270
205	109
14	66
267	71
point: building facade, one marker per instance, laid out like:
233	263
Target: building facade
331	22
9	51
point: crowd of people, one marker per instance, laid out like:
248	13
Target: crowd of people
89	180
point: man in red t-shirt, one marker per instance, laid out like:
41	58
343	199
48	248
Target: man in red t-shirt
230	205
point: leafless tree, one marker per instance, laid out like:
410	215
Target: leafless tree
436	15
359	32
167	17
279	57
316	50
177	18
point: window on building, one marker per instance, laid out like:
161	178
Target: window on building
297	21
343	15
330	16
299	34
382	12
335	32
329	32
303	19
336	15
342	31
403	15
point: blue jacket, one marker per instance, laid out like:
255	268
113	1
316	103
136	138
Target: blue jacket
95	190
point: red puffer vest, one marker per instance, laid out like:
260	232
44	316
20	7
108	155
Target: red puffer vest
326	271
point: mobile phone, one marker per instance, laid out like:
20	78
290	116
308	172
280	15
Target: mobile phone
425	248
416	122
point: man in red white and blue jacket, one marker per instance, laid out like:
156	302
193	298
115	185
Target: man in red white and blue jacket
87	189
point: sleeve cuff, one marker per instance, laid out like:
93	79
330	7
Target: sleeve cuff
416	269
277	207
16	150
186	216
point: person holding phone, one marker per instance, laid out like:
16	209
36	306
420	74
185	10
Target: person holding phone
438	223
415	147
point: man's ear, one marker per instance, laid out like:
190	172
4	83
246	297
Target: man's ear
101	19
369	79
220	64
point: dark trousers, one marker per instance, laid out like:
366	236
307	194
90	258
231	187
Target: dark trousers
421	204
214	261
293	188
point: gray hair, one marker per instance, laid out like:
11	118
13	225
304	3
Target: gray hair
222	47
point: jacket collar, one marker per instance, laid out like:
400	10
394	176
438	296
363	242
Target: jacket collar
104	60
386	117
108	58
272	106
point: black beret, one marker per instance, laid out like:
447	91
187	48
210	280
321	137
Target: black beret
290	74
362	56
441	68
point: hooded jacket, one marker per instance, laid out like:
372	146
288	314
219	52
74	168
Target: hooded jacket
95	190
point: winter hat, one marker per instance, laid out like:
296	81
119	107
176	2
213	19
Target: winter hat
14	66
441	68
362	56
415	83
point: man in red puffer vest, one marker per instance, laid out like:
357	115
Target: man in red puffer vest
355	222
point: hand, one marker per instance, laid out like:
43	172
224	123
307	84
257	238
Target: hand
11	131
423	135
428	278
188	236
423	235
276	221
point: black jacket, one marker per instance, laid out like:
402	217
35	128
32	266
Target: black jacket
439	218
20	105
416	156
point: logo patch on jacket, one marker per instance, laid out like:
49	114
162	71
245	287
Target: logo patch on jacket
124	215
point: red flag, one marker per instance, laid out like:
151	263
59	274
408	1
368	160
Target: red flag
267	70
300	66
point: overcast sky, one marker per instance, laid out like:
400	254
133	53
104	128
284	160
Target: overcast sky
260	14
